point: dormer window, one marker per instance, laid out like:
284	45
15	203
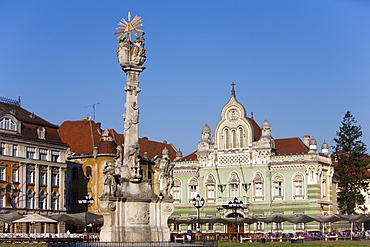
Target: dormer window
7	124
41	132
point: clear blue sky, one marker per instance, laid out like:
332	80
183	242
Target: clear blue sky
299	64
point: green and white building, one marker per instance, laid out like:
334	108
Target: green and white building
270	176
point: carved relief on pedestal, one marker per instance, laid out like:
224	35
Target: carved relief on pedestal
141	216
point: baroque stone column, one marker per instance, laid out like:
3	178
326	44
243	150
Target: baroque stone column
131	210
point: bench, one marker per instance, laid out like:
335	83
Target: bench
243	239
179	238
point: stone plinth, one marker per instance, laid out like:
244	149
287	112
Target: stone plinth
135	217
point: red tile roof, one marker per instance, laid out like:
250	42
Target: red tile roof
30	122
256	128
292	145
192	156
83	135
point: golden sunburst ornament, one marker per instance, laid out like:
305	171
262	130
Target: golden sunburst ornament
126	27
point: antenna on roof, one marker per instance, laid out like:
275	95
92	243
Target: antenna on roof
93	106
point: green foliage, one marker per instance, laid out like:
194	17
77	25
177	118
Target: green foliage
350	155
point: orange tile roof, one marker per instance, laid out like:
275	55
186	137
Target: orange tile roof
292	145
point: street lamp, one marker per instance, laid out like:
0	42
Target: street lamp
198	203
235	205
86	200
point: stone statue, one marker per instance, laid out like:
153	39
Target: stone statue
131	53
138	53
168	178
133	161
134	118
118	158
110	185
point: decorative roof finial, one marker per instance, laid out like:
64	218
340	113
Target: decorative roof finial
232	89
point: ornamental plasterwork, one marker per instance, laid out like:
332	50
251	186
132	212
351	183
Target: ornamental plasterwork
185	172
233	115
233	159
288	167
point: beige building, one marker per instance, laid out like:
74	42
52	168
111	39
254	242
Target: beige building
32	165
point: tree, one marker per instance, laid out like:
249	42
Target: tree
352	161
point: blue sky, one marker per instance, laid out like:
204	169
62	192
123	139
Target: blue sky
299	64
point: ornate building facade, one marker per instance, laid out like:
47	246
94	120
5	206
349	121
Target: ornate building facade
270	176
32	164
90	150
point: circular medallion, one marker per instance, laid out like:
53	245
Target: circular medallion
233	115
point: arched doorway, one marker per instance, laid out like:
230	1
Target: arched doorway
232	227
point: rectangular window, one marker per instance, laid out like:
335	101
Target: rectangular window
54	204
2	173
278	225
278	188
299	226
14	202
298	188
30	152
176	227
75	198
258	226
54	179
2	148
15	175
211	227
29	202
43	177
176	193
43	154
42	203
211	191
54	156
14	150
234	190
30	177
193	191
258	187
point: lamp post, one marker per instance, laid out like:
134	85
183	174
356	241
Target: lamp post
235	205
86	200
198	203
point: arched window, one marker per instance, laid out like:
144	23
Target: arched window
226	138
234	185
210	185
258	186
176	190
233	132
298	185
278	186
7	124
193	188
241	135
88	172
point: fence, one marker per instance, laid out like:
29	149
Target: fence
141	244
